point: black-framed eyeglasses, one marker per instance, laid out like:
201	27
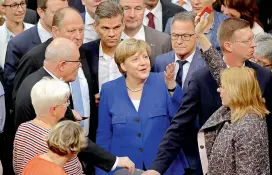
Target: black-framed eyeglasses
184	37
15	6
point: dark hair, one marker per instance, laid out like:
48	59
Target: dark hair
247	8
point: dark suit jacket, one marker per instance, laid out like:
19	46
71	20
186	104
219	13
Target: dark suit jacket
31	16
17	47
24	112
77	4
201	99
168	10
33	60
163	60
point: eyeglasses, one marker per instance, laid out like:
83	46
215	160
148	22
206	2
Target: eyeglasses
78	61
247	42
184	37
15	6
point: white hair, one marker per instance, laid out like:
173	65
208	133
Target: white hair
264	46
47	93
59	49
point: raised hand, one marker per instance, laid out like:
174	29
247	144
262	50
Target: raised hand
169	76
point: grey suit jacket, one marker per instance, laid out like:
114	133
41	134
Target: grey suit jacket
159	42
163	60
31	16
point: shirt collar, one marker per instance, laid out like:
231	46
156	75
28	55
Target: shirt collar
188	59
88	19
102	54
155	11
10	35
229	66
43	34
52	75
140	35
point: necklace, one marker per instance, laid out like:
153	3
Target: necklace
134	90
43	122
52	159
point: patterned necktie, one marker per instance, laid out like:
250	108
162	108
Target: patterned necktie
77	98
150	17
180	72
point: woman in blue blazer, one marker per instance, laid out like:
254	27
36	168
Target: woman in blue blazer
136	109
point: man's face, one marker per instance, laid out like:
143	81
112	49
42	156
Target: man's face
14	10
51	7
243	44
133	13
72	28
151	3
183	38
199	5
91	5
110	30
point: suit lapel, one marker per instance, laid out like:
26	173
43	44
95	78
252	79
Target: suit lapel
35	35
149	40
165	14
95	62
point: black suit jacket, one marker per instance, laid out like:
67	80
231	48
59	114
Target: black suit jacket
24	112
33	60
201	99
169	10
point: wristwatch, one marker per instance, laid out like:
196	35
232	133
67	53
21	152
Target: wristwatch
172	90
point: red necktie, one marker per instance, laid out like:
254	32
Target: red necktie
151	23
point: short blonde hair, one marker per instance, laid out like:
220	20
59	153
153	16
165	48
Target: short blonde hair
128	48
244	92
67	137
47	93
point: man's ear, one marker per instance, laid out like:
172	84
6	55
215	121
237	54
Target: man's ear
40	13
55	32
227	46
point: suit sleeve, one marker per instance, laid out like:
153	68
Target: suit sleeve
26	67
97	156
168	26
174	138
104	130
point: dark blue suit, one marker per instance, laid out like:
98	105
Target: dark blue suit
16	49
124	131
163	60
201	99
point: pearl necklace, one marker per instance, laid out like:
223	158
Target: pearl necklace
43	122
134	90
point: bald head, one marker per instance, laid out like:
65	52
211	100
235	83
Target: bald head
63	13
60	49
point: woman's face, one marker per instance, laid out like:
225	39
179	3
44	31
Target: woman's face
224	96
60	110
137	66
230	12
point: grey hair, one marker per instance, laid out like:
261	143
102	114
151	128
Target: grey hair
264	46
59	49
184	16
108	9
47	93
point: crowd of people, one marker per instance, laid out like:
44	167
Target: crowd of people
93	86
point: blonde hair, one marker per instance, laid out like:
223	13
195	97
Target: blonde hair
67	137
47	93
128	48
244	92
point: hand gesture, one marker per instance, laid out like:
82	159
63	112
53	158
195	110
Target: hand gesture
169	76
76	115
125	162
201	24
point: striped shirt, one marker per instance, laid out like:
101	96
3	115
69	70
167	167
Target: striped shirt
29	142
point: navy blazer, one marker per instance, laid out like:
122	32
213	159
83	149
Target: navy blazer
16	49
163	60
201	99
125	132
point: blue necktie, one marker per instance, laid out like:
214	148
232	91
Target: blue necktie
180	72
77	98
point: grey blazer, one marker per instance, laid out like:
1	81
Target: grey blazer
159	42
31	16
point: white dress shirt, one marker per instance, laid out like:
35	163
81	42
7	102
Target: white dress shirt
107	68
43	34
5	37
186	66
85	97
89	32
140	35
187	4
157	12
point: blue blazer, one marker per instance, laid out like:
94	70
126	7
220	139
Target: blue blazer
125	132
218	19
163	60
16	49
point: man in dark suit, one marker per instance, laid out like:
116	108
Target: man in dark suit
158	12
62	61
25	41
134	28
31	16
201	99
77	5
